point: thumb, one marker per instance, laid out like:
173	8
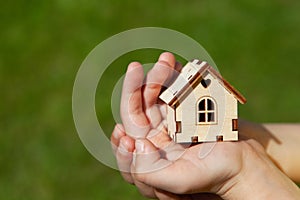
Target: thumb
147	157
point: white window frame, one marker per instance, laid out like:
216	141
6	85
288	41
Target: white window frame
206	111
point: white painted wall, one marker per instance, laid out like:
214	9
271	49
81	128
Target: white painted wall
186	112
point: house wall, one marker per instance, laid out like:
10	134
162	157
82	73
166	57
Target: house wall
171	122
226	110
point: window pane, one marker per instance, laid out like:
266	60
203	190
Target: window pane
210	117
201	105
210	104
201	117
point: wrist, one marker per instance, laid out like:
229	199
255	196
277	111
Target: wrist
259	179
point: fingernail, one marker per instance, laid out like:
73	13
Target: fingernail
133	65
165	56
139	146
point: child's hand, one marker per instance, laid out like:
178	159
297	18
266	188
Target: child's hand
140	110
169	183
160	168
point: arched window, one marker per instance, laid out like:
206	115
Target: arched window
206	113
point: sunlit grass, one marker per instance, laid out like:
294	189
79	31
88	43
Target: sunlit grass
254	43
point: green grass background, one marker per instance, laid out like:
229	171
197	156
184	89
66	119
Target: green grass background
256	45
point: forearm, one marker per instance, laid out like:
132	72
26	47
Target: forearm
281	141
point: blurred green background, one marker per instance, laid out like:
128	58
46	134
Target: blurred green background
256	45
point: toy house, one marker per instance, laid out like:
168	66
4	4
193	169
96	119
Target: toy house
201	105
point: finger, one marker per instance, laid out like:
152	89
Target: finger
154	115
116	135
147	163
157	76
145	190
170	177
146	158
155	79
178	67
176	72
164	195
134	120
167	147
124	157
206	196
159	136
163	110
177	177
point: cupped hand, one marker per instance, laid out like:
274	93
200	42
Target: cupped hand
160	168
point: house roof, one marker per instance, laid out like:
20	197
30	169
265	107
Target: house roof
191	74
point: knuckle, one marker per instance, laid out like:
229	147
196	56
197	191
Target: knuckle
128	178
140	177
153	86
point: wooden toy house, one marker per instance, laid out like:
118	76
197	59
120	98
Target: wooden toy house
202	106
